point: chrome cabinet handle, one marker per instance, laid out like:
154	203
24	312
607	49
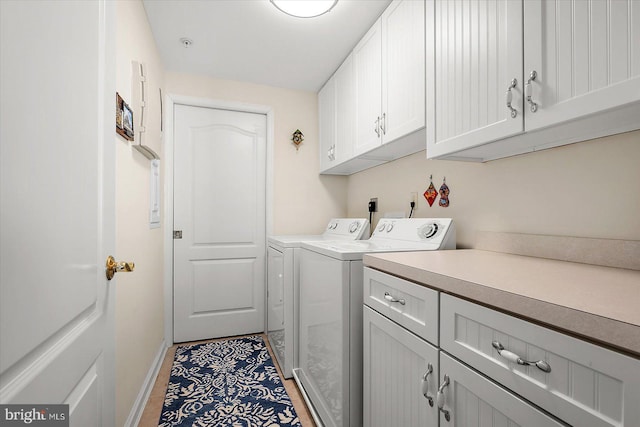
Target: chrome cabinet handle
383	124
391	298
440	398
509	98
425	384
331	152
377	129
527	91
512	357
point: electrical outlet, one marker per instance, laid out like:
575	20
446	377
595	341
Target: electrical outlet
373	204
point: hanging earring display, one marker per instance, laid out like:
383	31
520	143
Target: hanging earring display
431	192
444	194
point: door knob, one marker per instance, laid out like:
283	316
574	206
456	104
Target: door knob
114	266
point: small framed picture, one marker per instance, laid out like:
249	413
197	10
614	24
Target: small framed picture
124	119
127	119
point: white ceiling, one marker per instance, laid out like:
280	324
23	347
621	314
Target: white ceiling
252	41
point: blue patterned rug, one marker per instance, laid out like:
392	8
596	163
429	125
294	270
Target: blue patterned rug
226	383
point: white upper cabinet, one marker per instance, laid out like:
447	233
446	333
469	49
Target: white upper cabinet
327	119
368	87
403	67
345	110
336	109
585	56
474	67
389	77
506	77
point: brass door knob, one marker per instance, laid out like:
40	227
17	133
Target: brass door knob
114	266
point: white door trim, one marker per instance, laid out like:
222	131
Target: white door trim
170	101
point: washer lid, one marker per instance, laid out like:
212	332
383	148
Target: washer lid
392	235
337	229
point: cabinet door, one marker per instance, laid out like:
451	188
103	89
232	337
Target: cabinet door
395	364
345	111
403	78
470	399
327	119
474	52
367	57
586	56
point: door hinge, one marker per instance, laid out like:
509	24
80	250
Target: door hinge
177	234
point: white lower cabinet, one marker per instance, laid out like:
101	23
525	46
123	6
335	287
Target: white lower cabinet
465	398
493	369
581	383
399	369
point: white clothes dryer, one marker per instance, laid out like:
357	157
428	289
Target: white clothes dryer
283	254
329	371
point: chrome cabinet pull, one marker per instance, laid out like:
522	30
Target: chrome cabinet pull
377	129
440	398
331	152
509	98
391	298
512	357
425	384
383	125
527	92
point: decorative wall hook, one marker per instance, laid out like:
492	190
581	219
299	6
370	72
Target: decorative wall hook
297	138
444	193
431	192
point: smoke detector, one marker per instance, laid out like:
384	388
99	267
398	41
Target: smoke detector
186	42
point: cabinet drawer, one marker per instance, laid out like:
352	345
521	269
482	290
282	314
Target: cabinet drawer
412	306
469	399
586	385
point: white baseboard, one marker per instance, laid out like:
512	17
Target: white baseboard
147	386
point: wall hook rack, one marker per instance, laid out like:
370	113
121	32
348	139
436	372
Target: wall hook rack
139	98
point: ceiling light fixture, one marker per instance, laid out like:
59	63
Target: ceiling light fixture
304	8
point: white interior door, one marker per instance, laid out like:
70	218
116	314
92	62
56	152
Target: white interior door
219	205
57	195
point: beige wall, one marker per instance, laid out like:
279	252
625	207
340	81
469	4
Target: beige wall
589	189
139	295
303	201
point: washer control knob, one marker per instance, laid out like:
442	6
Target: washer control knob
428	230
354	227
389	227
381	226
333	225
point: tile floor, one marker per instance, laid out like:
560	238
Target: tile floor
151	414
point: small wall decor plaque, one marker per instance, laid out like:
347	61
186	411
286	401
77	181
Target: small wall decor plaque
444	194
431	194
297	138
124	119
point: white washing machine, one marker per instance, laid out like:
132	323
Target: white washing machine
329	371
283	254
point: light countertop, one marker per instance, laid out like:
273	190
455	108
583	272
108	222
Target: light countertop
600	304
